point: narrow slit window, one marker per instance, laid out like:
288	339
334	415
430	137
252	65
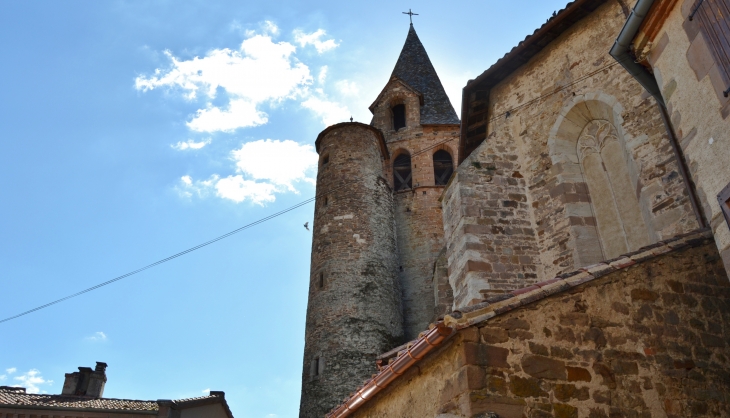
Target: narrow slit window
325	160
315	367
320	283
402	175
399	116
443	167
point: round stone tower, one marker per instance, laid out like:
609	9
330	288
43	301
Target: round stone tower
354	311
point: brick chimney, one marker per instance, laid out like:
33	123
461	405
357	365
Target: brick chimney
86	382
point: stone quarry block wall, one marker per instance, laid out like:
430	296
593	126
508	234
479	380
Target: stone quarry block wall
491	239
354	310
650	340
692	87
419	234
524	188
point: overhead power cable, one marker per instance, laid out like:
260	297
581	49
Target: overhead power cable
164	260
197	247
277	214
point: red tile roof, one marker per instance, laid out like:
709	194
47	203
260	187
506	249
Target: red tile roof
16	397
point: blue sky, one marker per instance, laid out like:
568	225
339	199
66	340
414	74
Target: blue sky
131	130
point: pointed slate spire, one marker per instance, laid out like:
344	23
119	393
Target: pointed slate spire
416	70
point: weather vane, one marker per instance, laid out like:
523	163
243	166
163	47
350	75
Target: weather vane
410	15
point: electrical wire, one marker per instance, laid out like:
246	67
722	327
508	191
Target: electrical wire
197	247
274	215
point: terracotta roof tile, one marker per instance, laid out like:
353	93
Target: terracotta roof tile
17	397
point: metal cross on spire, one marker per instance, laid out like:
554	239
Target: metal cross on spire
410	15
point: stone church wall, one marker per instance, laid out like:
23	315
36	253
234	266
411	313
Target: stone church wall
649	340
418	215
519	209
491	239
692	88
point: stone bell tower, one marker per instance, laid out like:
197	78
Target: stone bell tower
377	230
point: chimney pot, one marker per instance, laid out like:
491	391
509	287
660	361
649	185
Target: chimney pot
86	382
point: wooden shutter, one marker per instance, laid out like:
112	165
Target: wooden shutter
714	19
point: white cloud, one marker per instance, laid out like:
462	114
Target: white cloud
234	188
191	144
267	167
347	88
11	370
322	74
238	114
31	381
261	71
238	189
97	336
207	391
314	39
200	188
329	112
279	162
270	27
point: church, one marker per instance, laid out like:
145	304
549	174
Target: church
557	248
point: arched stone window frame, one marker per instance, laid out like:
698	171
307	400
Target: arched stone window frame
396	155
563	149
396	101
449	151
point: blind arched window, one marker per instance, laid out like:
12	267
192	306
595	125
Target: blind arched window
402	175
399	116
443	167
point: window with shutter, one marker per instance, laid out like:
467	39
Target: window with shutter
402	176
713	16
443	167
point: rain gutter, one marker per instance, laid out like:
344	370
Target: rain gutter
621	53
620	50
422	346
